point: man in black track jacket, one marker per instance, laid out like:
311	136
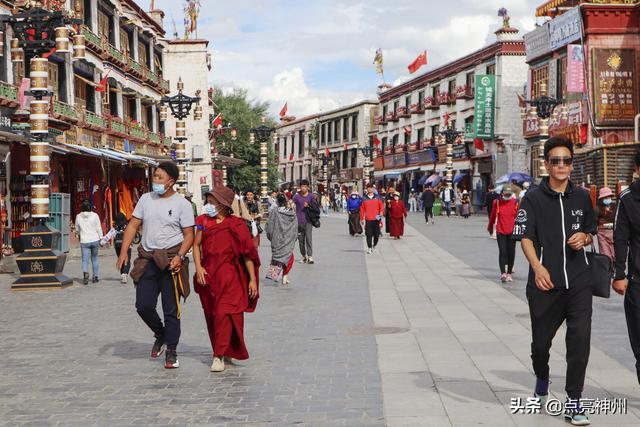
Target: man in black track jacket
555	223
626	237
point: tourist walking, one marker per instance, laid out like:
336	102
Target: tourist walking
466	204
387	198
282	231
428	199
325	203
303	200
89	232
626	235
556	221
371	212
397	215
606	216
162	267
254	207
226	279
447	196
353	207
503	216
458	202
412	201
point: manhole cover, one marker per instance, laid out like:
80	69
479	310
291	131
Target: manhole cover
375	330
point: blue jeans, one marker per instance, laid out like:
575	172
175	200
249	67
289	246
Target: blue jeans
447	208
90	250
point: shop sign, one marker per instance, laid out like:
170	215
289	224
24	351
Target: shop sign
5	118
389	161
423	156
203	180
615	96
530	126
399	159
575	68
460	151
71	135
89	138
536	42
484	106
565	29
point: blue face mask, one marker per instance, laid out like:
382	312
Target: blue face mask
210	210
607	202
159	189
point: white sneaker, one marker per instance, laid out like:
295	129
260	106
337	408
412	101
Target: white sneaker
370	251
304	260
375	249
124	278
217	365
310	260
285	280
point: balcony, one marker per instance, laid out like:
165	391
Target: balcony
115	55
94	121
431	103
390	117
413	146
378	120
8	94
165	85
93	40
65	112
136	131
464	92
400	148
416	108
154	138
117	126
135	68
388	150
153	78
167	141
403	112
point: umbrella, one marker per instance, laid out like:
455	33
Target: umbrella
518	177
433	179
459	177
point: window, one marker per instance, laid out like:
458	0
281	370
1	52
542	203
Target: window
54	81
420	99
300	170
336	130
395	140
80	93
561	86
471	80
491	69
452	86
384	143
146	116
345	128
384	111
104	26
124	42
354	127
420	135
345	159
321	130
396	104
407	138
407	102
130	109
284	148
539	76
468	124
434	132
354	158
434	91
301	143
330	134
86	13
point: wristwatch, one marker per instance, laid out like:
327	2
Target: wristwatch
182	257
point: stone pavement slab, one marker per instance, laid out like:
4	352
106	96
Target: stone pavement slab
464	350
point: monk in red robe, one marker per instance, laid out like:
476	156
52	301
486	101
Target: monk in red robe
397	214
227	264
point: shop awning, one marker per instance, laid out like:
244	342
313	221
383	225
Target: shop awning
96	152
133	157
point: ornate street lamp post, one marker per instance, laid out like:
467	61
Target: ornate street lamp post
367	152
542	107
262	134
450	135
38	31
180	105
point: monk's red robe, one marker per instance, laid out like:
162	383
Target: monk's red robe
397	214
225	297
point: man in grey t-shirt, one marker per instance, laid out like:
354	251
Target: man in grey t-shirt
168	226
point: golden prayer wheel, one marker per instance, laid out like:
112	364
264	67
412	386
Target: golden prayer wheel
40	201
79	46
182	173
181	131
39	117
39	158
180	150
17	54
62	39
163	113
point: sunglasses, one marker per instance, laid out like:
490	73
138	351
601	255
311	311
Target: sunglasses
555	161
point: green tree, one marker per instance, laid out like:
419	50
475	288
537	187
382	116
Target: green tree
243	115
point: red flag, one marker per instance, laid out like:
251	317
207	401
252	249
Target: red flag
291	157
479	144
22	96
283	111
326	152
376	141
521	101
217	122
418	62
103	83
446	119
407	129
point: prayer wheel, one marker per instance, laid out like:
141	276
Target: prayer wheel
163	113
180	151
62	39
182	173
40	201
1	43
79	47
17	54
181	131
39	75
39	117
39	158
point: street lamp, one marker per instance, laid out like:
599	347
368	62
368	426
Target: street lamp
38	31
180	105
367	152
262	134
542	107
449	135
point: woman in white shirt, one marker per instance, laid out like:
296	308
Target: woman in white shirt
89	232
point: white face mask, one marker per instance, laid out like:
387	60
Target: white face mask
210	210
507	197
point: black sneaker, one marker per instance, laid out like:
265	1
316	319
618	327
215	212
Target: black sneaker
95	279
171	359
158	348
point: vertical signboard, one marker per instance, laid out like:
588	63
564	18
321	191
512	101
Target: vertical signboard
575	69
485	106
615	88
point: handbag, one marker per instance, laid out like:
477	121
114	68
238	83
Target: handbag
275	272
601	273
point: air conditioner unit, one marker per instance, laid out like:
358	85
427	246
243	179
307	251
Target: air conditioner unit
197	152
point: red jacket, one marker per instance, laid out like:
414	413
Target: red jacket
371	208
504	211
397	209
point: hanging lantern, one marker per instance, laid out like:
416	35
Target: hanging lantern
39	75
197	112
163	113
39	117
62	39
17	54
79	47
181	131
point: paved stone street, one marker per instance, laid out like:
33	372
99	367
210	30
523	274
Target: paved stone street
419	334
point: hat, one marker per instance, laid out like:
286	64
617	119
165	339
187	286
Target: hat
526	185
605	192
188	195
223	195
507	189
465	192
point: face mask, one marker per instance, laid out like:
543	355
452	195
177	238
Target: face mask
396	198
159	189
354	197
607	202
508	197
210	210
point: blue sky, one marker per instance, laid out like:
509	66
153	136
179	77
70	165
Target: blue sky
317	54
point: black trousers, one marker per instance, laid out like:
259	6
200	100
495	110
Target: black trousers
127	266
632	313
548	310
507	252
153	283
428	212
372	231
